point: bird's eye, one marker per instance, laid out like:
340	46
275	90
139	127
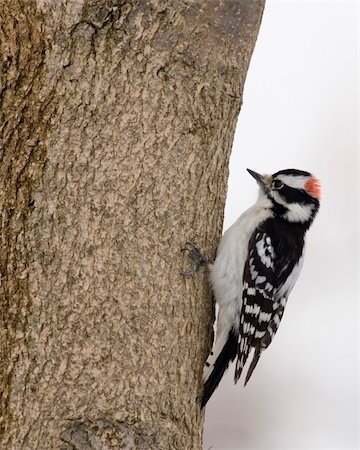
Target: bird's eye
277	184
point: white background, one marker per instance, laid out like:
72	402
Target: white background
301	110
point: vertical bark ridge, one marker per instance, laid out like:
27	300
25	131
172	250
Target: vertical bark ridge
22	153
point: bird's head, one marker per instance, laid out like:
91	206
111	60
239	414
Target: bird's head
294	194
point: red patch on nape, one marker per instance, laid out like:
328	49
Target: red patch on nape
313	188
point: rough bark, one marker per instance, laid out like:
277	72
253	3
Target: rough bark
117	119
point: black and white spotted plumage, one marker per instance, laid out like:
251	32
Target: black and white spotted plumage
258	296
258	262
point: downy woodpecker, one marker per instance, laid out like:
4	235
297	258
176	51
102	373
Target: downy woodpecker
258	261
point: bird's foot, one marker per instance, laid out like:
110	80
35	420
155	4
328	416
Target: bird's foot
199	260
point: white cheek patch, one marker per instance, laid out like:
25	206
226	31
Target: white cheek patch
298	212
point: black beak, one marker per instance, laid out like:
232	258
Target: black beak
259	178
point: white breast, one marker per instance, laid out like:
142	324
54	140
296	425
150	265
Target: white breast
226	274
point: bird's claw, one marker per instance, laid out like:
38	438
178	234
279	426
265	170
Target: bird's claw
198	258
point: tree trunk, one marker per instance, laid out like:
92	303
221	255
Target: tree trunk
117	119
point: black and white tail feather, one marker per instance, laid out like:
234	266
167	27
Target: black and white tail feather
258	262
223	353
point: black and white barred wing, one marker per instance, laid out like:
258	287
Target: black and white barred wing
258	319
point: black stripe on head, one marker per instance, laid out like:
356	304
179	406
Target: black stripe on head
292	195
279	210
294	172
